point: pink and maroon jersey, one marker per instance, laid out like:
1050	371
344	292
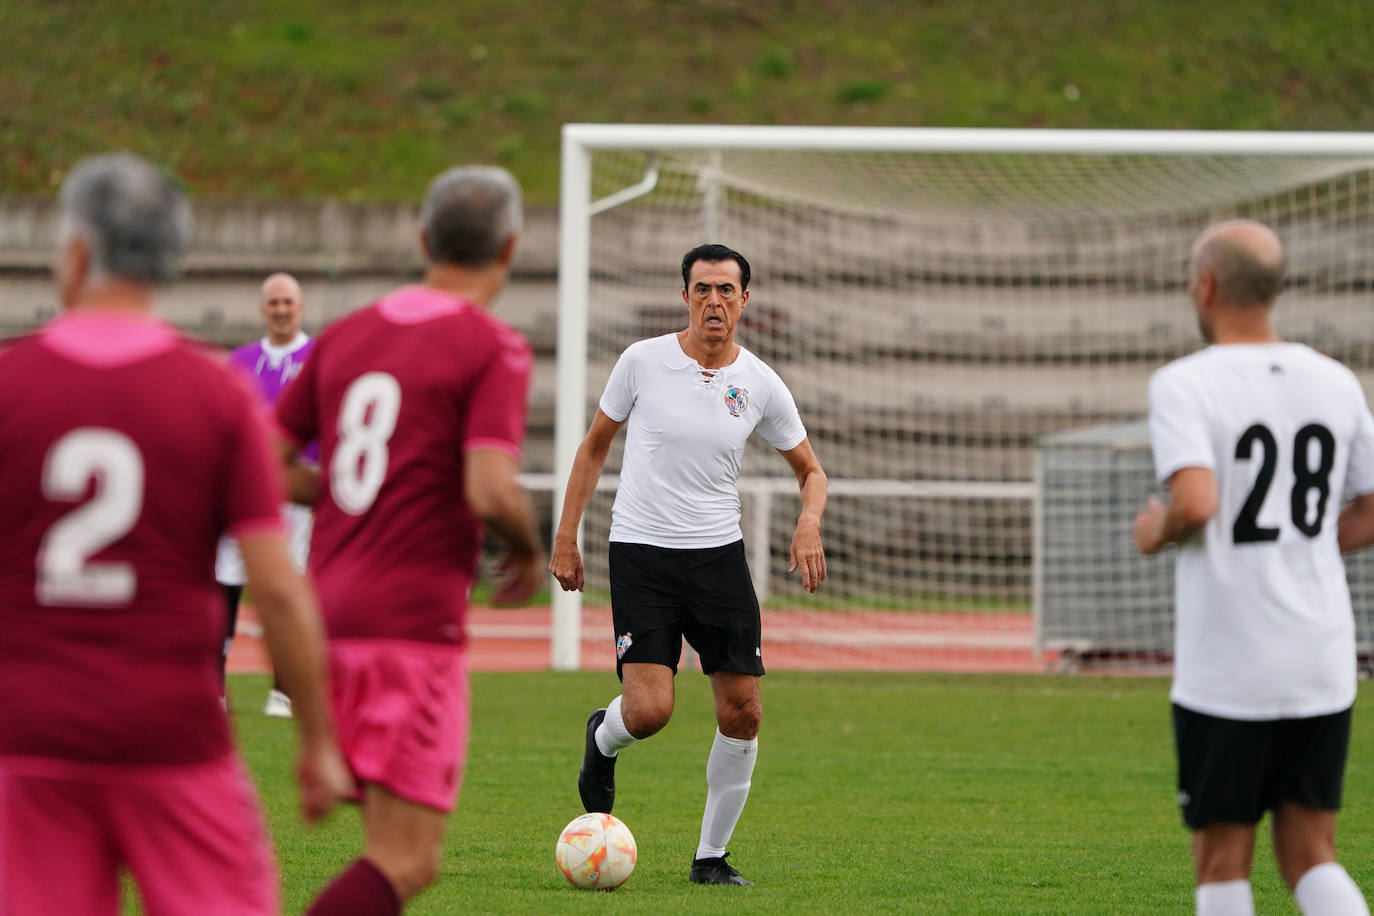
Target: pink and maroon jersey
125	451
397	393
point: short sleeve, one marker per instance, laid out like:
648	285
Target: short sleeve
1359	474
297	410
781	424
1178	430
619	396
499	401
254	490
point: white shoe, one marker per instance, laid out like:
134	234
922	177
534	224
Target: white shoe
278	705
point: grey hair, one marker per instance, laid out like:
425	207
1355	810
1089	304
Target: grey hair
469	213
133	216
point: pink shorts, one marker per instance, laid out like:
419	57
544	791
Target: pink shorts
401	709
192	836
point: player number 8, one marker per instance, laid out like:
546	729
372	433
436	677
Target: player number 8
367	418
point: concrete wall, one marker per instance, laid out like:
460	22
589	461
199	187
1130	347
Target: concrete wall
327	237
345	255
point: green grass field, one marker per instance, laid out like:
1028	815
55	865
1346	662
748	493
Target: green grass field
368	100
874	793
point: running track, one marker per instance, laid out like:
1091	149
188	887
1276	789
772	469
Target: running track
518	640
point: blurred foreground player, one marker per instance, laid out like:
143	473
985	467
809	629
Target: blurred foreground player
1257	440
418	402
124	453
272	363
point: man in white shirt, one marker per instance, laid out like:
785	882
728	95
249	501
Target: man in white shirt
1257	441
677	562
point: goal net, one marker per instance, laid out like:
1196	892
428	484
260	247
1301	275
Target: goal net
941	303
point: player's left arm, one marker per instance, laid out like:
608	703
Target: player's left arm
493	492
1355	530
492	437
1193	500
807	553
1355	527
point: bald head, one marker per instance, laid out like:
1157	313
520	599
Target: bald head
1244	260
282	308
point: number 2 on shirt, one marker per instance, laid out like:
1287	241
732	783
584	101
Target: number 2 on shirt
367	418
1246	529
65	573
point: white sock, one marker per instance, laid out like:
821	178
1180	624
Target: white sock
611	734
1326	890
1225	898
729	770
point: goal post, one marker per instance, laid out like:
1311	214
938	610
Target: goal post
941	302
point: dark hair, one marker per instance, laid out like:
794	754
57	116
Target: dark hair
713	252
469	213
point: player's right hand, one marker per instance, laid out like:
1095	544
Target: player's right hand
1149	527
566	565
325	780
521	576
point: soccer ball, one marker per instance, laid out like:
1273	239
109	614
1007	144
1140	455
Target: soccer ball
596	852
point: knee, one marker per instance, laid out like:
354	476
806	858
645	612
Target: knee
1294	863
1223	853
1303	839
410	871
741	720
646	718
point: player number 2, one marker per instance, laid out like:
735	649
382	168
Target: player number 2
367	418
1306	479
65	573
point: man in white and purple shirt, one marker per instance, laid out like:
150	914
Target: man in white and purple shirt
271	363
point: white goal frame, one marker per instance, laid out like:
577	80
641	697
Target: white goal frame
577	208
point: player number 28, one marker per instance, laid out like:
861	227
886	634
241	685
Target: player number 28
66	574
367	418
1306	478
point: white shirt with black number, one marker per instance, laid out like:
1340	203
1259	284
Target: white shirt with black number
1263	626
684	441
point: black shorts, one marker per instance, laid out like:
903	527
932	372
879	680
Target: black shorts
661	595
1234	771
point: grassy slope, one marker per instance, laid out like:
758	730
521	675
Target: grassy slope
367	100
874	793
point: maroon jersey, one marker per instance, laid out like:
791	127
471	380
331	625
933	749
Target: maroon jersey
125	452
396	394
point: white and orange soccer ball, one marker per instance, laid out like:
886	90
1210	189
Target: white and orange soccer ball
596	852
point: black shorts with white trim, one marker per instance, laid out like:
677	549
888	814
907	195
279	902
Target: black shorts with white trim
661	595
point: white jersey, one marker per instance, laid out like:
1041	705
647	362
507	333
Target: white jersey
299	521
684	442
1263	627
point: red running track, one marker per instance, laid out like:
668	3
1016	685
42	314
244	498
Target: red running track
518	640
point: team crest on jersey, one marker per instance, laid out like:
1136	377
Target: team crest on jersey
622	645
736	400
